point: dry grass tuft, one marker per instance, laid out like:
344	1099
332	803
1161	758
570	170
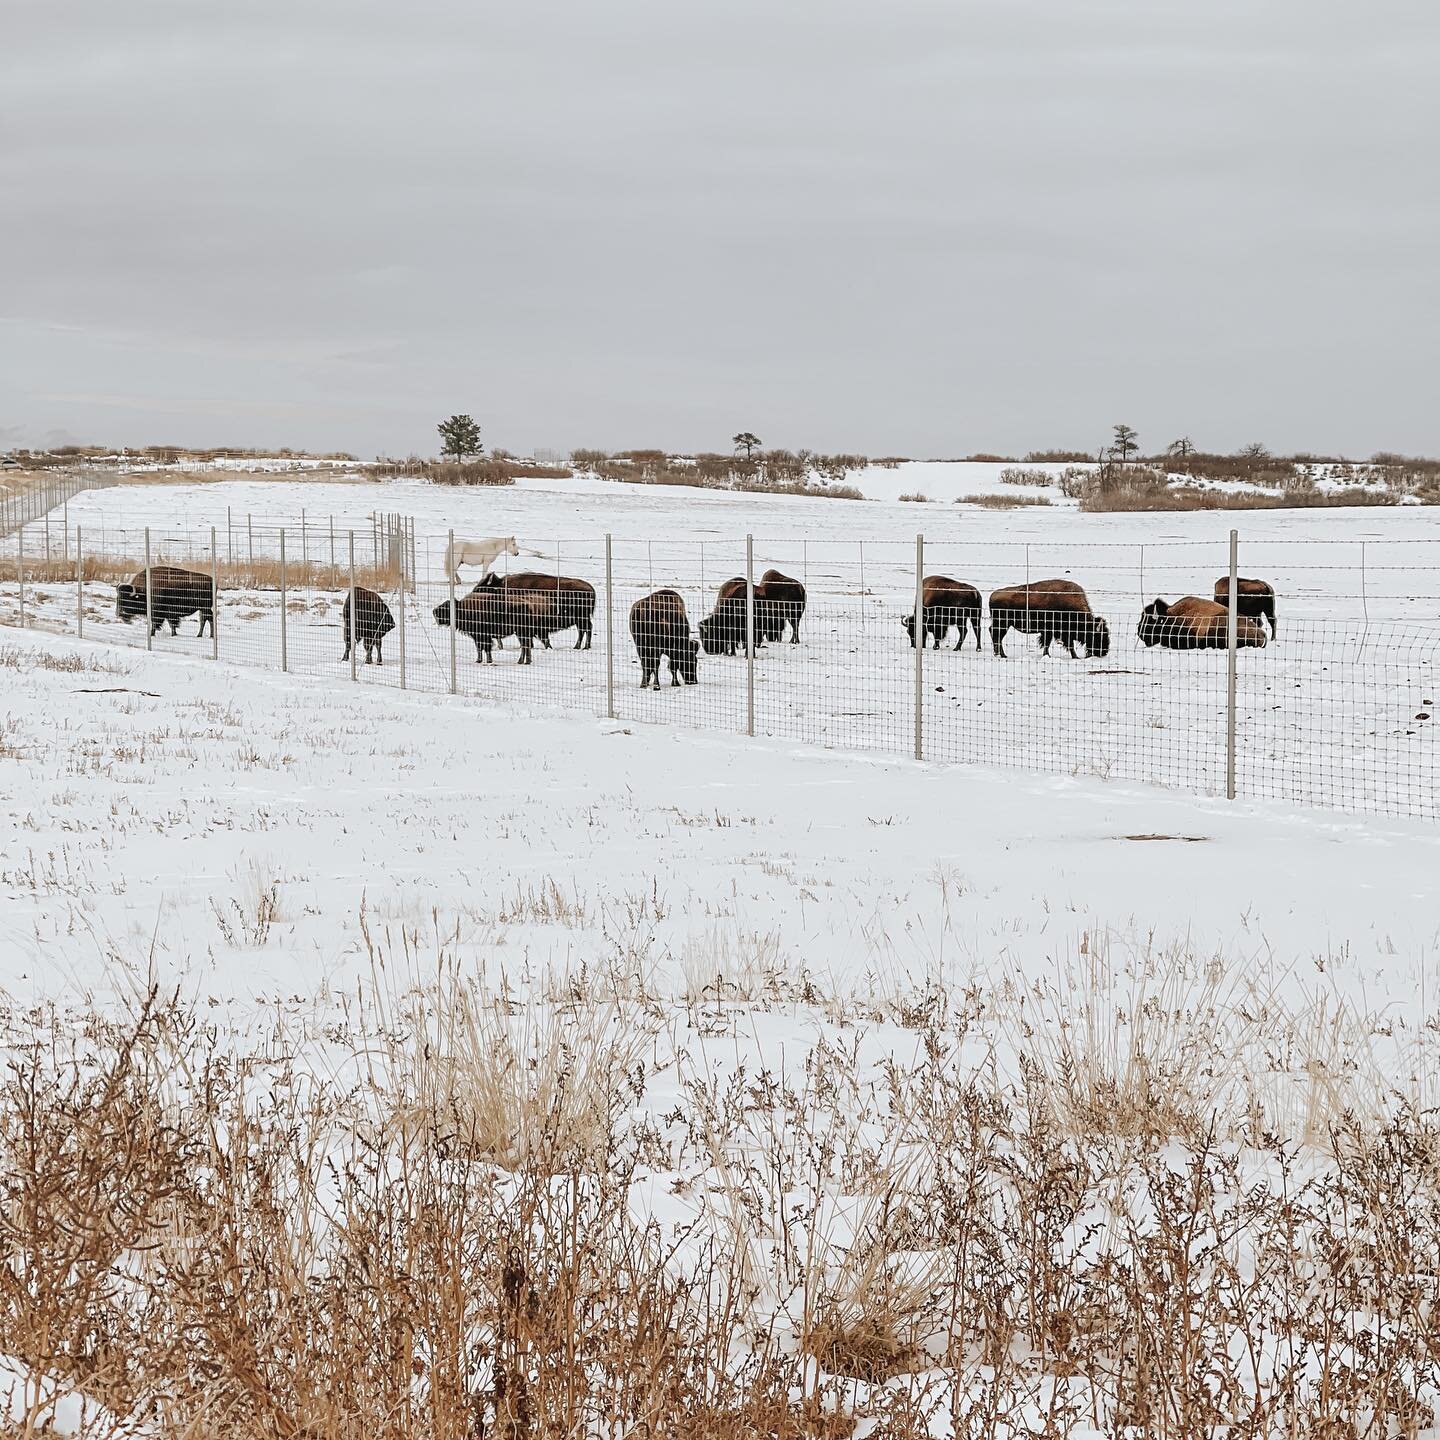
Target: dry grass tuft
1002	502
14	658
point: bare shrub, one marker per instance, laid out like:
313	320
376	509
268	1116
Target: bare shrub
1014	475
1038	457
916	497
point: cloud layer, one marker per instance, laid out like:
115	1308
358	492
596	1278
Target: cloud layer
924	226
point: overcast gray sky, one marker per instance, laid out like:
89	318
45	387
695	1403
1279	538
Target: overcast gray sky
913	226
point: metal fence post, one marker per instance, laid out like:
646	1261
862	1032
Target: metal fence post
304	544
332	542
609	628
919	636
354	606
250	533
284	629
20	569
229	536
749	634
450	583
149	597
1232	613
79	584
214	595
400	594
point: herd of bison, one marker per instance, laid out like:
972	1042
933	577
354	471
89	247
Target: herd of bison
532	606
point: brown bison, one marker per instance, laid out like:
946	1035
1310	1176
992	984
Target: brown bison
1195	624
659	626
1255	599
568	601
1053	610
491	612
722	632
373	622
779	601
175	594
944	603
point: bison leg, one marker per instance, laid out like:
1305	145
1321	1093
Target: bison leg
544	640
998	632
526	652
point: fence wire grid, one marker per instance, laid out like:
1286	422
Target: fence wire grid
1336	708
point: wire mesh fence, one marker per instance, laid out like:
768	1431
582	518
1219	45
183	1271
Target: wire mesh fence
1046	657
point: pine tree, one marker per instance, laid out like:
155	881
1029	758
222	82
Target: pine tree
459	436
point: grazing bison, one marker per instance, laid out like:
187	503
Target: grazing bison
1255	599
1053	610
1195	624
659	626
722	632
566	601
491	612
373	622
175	594
779	601
945	602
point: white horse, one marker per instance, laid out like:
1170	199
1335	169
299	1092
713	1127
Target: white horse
483	553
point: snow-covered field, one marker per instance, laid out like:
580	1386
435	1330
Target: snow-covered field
1339	712
902	1036
149	797
794	932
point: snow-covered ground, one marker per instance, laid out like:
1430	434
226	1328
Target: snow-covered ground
149	800
1338	712
798	920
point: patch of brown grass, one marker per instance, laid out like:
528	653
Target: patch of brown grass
1002	502
241	574
490	471
439	1221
